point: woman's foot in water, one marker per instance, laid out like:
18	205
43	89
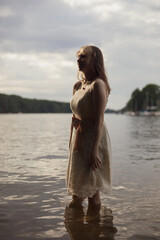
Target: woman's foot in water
76	202
94	201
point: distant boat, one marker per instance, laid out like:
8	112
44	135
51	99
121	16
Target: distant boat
150	111
146	113
130	113
157	113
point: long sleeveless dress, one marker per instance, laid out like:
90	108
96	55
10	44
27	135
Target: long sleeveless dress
81	180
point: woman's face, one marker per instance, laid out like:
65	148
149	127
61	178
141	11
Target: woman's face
83	60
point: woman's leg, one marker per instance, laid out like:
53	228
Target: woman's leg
76	201
95	200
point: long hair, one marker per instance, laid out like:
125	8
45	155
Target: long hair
97	63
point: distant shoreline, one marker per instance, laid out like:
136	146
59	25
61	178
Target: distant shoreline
19	105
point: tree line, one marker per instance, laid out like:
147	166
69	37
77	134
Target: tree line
17	104
140	100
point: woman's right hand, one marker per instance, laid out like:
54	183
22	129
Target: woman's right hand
95	161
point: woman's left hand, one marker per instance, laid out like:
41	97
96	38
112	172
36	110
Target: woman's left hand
95	161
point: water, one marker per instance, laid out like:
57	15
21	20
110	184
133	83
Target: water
33	198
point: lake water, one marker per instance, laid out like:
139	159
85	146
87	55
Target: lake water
33	198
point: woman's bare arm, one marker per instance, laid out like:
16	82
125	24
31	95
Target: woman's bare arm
99	98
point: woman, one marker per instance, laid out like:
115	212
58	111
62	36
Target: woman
90	155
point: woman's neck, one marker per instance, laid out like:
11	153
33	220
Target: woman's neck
90	76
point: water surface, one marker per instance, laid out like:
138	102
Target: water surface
33	198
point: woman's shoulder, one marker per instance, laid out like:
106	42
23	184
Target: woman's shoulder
98	84
77	86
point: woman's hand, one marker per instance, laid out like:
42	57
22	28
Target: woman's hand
95	161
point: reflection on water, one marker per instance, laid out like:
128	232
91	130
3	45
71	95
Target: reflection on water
33	196
92	224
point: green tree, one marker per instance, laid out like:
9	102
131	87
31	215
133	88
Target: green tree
141	99
15	104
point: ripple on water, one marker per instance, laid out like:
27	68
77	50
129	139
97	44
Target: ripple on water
34	150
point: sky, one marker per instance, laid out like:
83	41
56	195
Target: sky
39	40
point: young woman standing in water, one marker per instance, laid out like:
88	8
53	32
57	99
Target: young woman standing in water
89	166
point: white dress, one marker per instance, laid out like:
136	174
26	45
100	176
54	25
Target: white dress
81	180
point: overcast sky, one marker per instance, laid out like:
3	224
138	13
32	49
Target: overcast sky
39	40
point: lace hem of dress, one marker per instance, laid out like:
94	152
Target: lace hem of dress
88	193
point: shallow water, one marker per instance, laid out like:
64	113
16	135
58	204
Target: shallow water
33	198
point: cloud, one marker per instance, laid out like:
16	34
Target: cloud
42	26
39	39
37	75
